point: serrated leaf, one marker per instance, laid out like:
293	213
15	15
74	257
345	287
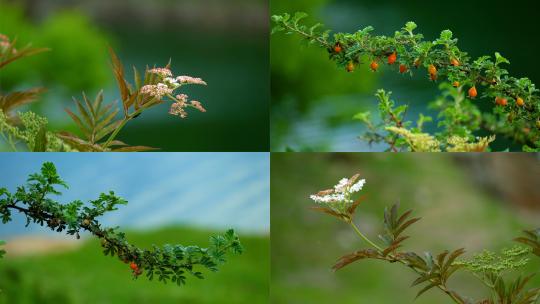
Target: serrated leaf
405	226
424	278
355	256
118	70
13	100
327	211
79	143
423	290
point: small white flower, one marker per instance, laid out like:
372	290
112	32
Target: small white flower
163	72
342	185
339	198
190	80
157	91
329	198
171	82
358	186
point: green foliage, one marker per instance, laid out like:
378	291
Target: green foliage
167	263
27	278
435	271
303	69
492	263
394	226
32	133
457	118
443	59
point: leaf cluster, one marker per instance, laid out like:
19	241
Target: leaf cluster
517	117
9	52
31	130
99	123
531	238
167	263
435	271
458	118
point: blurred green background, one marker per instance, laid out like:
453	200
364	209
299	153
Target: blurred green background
313	101
223	42
85	275
471	201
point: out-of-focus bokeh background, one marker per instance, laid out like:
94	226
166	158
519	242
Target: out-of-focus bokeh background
472	201
313	101
223	42
173	198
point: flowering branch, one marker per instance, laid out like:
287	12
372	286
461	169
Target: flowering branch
99	123
433	272
167	263
516	111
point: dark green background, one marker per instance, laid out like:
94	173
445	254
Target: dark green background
223	42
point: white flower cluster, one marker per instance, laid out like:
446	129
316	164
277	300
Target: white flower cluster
190	80
341	192
178	107
328	198
163	72
156	90
180	80
168	83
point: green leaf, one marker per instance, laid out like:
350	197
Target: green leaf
500	59
299	16
428	287
410	26
446	35
363	116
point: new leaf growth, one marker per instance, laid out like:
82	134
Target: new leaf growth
434	271
166	263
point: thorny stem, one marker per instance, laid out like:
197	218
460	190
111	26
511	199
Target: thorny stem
308	36
391	257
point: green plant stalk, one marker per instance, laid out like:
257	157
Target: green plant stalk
365	238
9	140
124	122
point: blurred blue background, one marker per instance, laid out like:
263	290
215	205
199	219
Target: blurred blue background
209	190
